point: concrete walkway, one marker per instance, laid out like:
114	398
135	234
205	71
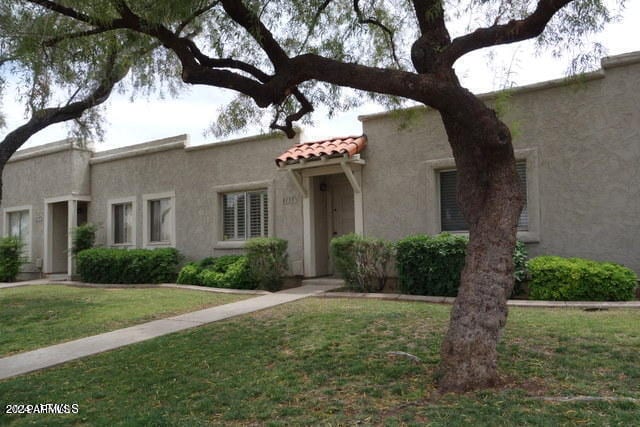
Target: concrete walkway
5	285
54	355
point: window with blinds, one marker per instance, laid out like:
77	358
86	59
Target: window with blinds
451	218
160	220
122	223
245	215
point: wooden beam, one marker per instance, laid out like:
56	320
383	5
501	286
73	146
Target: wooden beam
352	179
295	177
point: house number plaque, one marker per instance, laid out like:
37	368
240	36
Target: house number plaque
289	200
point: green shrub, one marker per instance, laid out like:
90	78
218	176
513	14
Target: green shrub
106	265
238	275
520	273
575	279
84	237
211	278
222	264
228	271
189	274
11	258
205	262
431	265
267	257
362	261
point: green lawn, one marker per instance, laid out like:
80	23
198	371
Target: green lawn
325	361
36	316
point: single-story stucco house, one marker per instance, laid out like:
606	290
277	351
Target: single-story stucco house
577	144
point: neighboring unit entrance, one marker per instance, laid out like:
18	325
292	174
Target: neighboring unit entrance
62	215
59	228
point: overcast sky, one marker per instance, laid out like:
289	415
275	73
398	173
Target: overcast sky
191	113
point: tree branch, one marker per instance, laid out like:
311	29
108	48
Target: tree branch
75	35
6	59
71	13
434	35
376	23
45	117
268	90
260	33
314	22
305	108
513	31
194	15
208	61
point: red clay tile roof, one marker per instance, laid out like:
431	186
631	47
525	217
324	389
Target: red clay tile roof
315	150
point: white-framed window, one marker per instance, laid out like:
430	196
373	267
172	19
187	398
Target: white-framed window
122	222
245	214
159	219
451	218
17	223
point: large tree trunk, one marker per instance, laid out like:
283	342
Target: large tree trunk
491	199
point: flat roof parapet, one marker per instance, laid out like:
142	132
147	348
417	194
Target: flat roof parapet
149	147
51	148
249	138
606	63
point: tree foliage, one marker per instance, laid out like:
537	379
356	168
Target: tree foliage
243	46
63	73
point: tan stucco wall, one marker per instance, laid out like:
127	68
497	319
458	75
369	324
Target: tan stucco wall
29	179
195	175
587	140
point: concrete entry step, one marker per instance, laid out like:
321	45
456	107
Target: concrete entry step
329	282
57	277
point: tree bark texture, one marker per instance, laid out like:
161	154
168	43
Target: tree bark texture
491	200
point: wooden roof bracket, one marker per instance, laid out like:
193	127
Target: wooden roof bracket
346	167
297	181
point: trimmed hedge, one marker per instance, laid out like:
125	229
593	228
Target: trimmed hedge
11	258
267	257
132	266
431	265
362	261
229	271
574	279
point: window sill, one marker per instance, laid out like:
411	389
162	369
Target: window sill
159	245
528	236
122	245
523	236
230	244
